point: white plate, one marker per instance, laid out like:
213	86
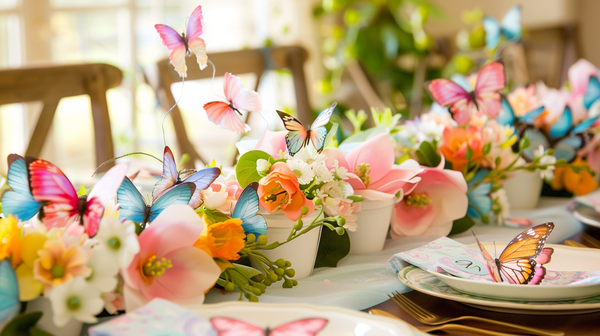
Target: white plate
587	215
426	283
342	322
565	258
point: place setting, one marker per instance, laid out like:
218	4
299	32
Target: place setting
437	184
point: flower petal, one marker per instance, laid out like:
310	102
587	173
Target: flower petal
378	152
333	154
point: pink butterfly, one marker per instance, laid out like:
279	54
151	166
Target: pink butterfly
183	44
62	205
485	98
225	113
230	327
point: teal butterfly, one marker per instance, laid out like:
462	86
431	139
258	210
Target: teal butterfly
298	136
510	27
19	202
9	292
133	207
592	94
246	210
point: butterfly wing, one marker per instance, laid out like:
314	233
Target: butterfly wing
489	81
447	93
169	174
530	116
492	32
506	116
304	327
230	327
104	190
173	41
193	32
246	209
511	24
50	185
202	179
567	147
491	263
516	261
297	135
19	202
131	203
180	194
584	125
536	139
247	100
592	92
318	131
222	114
561	127
9	292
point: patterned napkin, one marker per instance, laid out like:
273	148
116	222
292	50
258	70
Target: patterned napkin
157	318
448	256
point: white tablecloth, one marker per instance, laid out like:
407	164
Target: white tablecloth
362	281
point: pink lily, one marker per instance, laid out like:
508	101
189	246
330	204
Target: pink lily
579	78
371	166
168	265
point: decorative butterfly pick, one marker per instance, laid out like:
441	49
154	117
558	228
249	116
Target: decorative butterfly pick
181	45
19	202
9	292
521	261
246	210
171	177
510	27
231	327
484	98
61	203
227	114
298	136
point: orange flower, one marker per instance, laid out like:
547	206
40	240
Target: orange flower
456	143
59	263
280	189
576	183
223	240
10	240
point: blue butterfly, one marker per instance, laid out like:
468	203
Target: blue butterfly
246	209
479	198
507	116
298	136
9	292
563	137
133	207
592	93
509	28
19	202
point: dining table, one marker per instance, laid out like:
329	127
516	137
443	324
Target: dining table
363	282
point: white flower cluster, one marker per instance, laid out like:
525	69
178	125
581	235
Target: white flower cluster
545	159
309	166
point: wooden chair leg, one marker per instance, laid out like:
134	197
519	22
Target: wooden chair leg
297	67
41	129
96	89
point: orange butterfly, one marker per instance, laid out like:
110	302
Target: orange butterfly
522	258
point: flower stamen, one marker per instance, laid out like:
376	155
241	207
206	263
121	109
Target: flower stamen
156	267
363	171
419	200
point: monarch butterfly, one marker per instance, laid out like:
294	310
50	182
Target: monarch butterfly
523	256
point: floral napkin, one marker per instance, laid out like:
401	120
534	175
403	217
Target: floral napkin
448	256
158	317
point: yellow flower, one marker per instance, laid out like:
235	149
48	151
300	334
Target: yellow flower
29	288
58	264
576	183
223	240
10	240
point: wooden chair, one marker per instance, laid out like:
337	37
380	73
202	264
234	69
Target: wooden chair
50	84
255	61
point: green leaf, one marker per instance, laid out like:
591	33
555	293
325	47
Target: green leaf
366	134
21	324
524	143
487	148
423	159
428	154
246	271
469	153
356	198
245	169
331	132
38	332
462	225
332	248
214	216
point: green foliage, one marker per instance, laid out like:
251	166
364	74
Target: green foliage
24	325
332	248
462	225
356	119
245	169
428	155
366	134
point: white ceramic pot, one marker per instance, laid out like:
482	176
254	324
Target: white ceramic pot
373	224
41	304
302	251
523	190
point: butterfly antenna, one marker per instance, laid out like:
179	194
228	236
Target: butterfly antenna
499	50
122	156
214	73
169	111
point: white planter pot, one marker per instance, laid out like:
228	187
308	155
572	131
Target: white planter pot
523	190
302	251
373	223
41	304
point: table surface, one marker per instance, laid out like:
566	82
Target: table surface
571	325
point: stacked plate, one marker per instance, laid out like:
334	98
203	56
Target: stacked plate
524	299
